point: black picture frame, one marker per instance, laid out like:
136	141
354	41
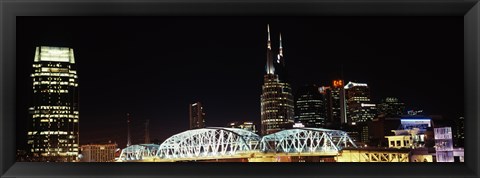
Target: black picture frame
470	10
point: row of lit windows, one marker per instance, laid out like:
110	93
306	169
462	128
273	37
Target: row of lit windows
54	74
50	64
53	111
54	120
309	101
52	149
49	133
36	79
50	69
270	111
53	107
52	91
56	116
59	145
53	83
273	120
276	98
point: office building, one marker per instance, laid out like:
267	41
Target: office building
53	131
98	152
359	107
459	135
335	106
444	144
197	116
310	107
276	100
391	107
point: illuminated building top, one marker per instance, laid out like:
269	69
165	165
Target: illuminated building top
54	54
337	83
353	84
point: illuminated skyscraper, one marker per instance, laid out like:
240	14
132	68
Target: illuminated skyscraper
276	99
335	104
197	116
359	107
53	133
309	107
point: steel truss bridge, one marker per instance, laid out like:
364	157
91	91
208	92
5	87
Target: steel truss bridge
229	143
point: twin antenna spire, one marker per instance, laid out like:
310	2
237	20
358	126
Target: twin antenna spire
269	43
270	68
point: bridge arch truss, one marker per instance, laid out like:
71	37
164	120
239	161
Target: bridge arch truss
301	140
211	142
139	152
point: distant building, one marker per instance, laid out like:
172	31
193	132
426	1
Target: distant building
53	131
335	105
420	128
249	126
98	152
412	133
400	140
458	155
459	135
379	128
310	107
360	109
197	116
444	144
391	107
276	100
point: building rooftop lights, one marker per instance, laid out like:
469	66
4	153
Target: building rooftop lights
353	84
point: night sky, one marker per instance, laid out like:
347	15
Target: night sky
153	67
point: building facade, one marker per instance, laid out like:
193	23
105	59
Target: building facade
310	107
391	107
276	100
197	116
444	144
335	106
249	126
53	133
459	136
98	152
360	109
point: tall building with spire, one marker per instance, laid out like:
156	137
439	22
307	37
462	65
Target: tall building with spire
277	110
53	133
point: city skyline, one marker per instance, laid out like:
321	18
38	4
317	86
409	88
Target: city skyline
220	76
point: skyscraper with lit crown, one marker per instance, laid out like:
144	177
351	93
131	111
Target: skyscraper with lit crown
277	109
360	109
53	133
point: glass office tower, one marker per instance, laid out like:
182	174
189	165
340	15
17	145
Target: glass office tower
310	107
53	133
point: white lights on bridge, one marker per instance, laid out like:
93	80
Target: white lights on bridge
218	142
